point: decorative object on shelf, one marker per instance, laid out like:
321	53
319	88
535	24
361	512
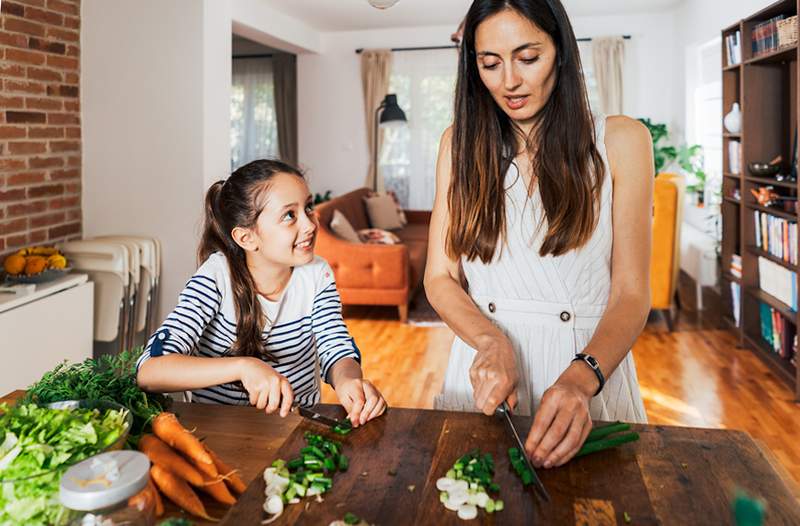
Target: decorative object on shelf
762	169
733	120
734	157
382	4
765	195
387	114
787	32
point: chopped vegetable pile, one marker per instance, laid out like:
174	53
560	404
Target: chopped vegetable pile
467	485
109	378
305	476
41	441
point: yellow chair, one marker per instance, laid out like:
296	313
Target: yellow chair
664	260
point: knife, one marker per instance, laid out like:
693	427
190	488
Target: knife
312	415
506	411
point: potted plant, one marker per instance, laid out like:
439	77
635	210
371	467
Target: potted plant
690	160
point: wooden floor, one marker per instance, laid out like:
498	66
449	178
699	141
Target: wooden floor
694	376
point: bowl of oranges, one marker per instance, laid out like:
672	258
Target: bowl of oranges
35	265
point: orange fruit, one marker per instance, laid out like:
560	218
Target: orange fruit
14	264
34	265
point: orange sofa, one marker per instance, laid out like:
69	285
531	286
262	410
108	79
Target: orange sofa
368	274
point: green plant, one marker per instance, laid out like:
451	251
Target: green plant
690	159
321	198
662	154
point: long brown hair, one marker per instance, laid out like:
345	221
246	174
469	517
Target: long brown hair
238	201
484	143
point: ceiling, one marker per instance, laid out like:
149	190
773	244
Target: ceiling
353	15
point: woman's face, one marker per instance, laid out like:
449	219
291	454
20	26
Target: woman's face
516	61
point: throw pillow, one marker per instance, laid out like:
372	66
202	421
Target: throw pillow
376	236
400	213
342	227
382	212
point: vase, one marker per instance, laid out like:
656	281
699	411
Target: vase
733	120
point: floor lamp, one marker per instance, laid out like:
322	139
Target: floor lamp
387	114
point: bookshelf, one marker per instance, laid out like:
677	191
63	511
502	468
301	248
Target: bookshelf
765	85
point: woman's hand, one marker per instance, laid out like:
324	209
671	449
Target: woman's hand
360	399
267	388
494	374
562	421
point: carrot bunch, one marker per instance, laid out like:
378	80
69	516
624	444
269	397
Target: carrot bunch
181	462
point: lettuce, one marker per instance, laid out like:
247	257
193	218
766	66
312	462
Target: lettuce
45	442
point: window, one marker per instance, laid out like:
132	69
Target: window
424	82
587	63
254	125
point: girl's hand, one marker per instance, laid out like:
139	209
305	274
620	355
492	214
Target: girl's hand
494	374
360	399
562	422
267	388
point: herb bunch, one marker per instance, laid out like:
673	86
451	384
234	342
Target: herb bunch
110	378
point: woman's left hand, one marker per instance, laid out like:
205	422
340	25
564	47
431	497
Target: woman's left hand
560	426
360	399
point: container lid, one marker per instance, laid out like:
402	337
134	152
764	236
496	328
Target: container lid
104	480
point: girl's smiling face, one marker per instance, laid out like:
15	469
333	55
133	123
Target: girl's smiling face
516	62
286	228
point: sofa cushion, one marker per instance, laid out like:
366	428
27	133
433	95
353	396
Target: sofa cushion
342	228
377	236
382	212
350	204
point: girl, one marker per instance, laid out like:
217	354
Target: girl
260	321
546	208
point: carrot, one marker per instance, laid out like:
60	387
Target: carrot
143	500
167	428
157	495
217	489
178	491
231	477
161	454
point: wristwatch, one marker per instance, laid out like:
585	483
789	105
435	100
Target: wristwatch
594	366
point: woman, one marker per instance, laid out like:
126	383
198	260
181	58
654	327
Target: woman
544	210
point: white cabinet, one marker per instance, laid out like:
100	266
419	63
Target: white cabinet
40	330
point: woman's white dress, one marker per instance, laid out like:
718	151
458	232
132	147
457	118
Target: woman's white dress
548	306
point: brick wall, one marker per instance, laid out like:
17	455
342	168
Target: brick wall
40	131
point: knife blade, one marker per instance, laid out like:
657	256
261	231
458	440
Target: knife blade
316	417
506	410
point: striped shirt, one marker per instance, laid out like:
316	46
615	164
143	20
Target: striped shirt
307	338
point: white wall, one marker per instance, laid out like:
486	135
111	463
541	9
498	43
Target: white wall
151	134
331	123
331	118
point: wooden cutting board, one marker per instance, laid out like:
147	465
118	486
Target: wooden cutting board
418	447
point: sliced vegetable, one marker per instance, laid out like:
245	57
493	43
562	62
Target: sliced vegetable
310	474
466	486
343	427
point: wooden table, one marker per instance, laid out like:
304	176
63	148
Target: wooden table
672	475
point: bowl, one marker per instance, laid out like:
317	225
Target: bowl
763	169
44	276
100	405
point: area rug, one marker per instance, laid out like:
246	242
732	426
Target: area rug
421	313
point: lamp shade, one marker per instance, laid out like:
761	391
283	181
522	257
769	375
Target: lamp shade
382	4
392	113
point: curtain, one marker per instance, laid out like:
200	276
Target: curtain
254	128
608	55
424	82
375	70
285	73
